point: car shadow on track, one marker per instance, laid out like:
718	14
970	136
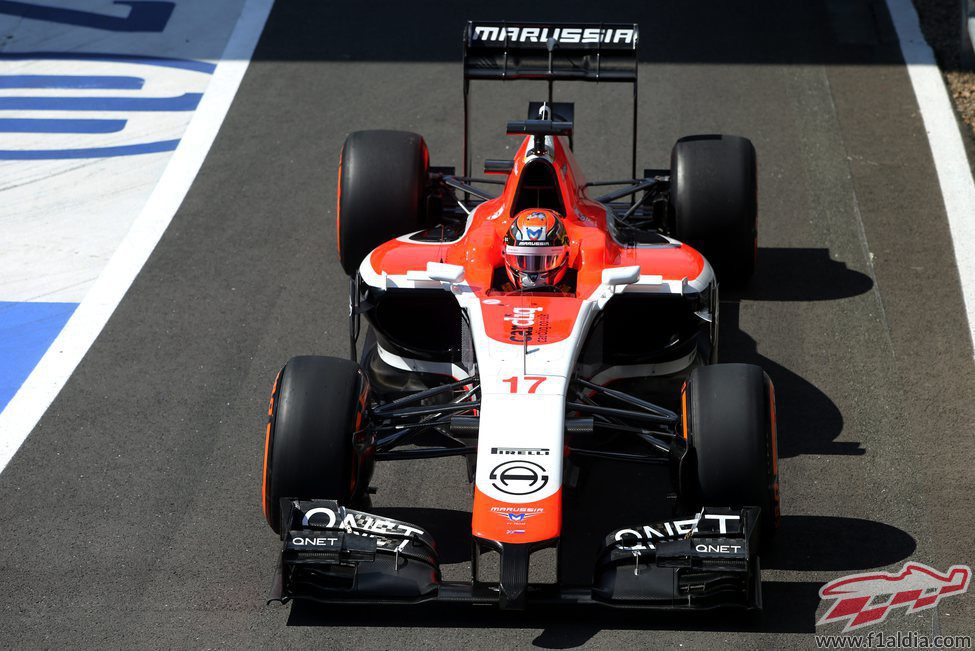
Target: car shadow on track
800	274
811	419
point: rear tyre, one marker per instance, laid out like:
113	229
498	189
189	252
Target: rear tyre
382	177
731	429
316	406
713	201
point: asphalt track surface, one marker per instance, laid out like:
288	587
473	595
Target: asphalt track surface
131	516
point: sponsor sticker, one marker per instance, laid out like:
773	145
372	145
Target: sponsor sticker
527	452
534	510
642	537
318	541
522	325
519	477
517	517
566	35
362	524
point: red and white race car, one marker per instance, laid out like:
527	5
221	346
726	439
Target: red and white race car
522	329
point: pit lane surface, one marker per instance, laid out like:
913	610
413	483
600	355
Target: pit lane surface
131	516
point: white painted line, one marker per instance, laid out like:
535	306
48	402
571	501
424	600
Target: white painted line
950	161
37	393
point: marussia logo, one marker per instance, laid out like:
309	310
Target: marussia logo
500	33
866	599
535	233
517	517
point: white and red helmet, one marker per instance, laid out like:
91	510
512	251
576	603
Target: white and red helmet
536	249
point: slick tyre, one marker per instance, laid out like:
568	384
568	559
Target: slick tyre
316	406
713	202
382	178
730	425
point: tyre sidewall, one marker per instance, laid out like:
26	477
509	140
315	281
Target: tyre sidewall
382	179
313	416
713	202
730	432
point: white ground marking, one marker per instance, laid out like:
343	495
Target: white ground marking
947	149
52	372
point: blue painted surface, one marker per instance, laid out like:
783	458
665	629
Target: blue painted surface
96	82
184	64
38	125
26	332
184	102
144	15
93	152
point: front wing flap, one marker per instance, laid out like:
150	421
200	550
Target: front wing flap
706	561
331	552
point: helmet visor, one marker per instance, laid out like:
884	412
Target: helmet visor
535	259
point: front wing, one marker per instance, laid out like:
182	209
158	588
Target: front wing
335	554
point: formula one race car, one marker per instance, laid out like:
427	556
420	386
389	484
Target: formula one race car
526	329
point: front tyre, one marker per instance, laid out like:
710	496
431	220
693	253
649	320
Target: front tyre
730	426
316	407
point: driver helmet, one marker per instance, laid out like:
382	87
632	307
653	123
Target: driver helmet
536	249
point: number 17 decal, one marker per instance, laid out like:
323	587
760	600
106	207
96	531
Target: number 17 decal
535	380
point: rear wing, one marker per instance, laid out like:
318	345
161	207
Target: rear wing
550	52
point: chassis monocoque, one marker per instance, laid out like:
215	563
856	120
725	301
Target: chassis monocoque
618	362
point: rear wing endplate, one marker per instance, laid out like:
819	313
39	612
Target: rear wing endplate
550	52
